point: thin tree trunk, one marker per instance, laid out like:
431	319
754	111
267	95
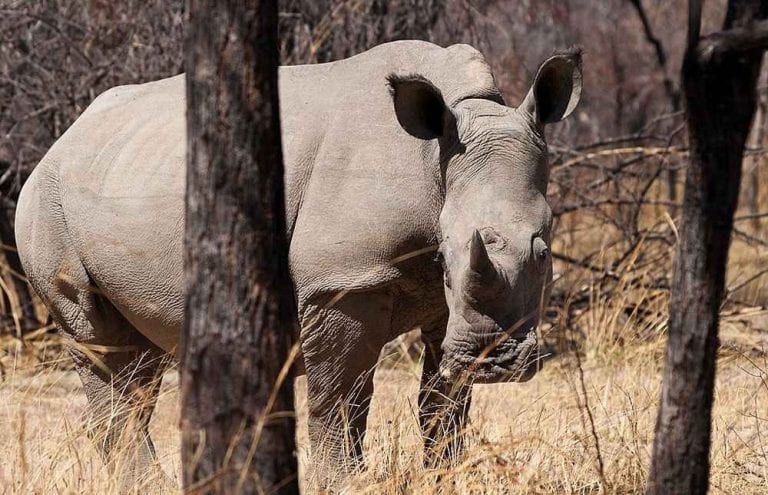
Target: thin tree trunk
237	420
719	81
755	162
673	93
26	307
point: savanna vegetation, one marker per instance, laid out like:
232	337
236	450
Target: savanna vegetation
585	424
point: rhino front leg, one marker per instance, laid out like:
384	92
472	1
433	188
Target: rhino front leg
443	406
341	347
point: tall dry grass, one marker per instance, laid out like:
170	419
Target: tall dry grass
528	438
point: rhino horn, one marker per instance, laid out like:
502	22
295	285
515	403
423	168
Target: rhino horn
479	261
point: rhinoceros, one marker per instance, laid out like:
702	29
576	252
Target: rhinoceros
415	197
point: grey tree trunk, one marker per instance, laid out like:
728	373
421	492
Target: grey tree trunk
755	163
719	81
237	418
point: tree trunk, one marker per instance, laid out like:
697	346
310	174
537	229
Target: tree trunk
673	94
25	308
719	81
753	170
237	415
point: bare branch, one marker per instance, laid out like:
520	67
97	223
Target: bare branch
661	55
739	39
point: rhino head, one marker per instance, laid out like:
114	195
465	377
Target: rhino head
495	223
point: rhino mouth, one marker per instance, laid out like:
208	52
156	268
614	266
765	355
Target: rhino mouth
515	361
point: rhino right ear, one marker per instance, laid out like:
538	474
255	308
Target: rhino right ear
420	107
556	89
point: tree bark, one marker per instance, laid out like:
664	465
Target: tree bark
237	415
719	83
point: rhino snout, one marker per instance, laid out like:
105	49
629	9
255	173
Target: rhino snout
511	361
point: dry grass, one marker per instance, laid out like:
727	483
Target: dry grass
601	390
525	438
536	438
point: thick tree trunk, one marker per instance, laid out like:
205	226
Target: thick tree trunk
719	81
237	418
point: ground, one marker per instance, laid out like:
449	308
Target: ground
537	437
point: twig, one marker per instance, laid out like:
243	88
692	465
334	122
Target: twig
643	150
748	238
754	277
585	264
739	39
661	56
598	451
751	216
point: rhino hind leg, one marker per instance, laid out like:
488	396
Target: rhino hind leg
120	371
121	402
119	368
340	351
443	406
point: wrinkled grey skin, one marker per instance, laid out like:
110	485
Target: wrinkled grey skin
388	154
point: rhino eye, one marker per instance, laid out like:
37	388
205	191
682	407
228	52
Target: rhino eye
441	259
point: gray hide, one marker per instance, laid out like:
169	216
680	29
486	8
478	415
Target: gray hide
389	154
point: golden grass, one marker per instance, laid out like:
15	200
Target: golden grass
537	437
525	438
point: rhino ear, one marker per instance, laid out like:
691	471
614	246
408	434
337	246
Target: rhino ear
419	107
556	89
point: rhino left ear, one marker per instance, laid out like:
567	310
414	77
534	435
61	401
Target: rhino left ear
420	107
556	89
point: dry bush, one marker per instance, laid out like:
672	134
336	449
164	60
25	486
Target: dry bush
55	57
